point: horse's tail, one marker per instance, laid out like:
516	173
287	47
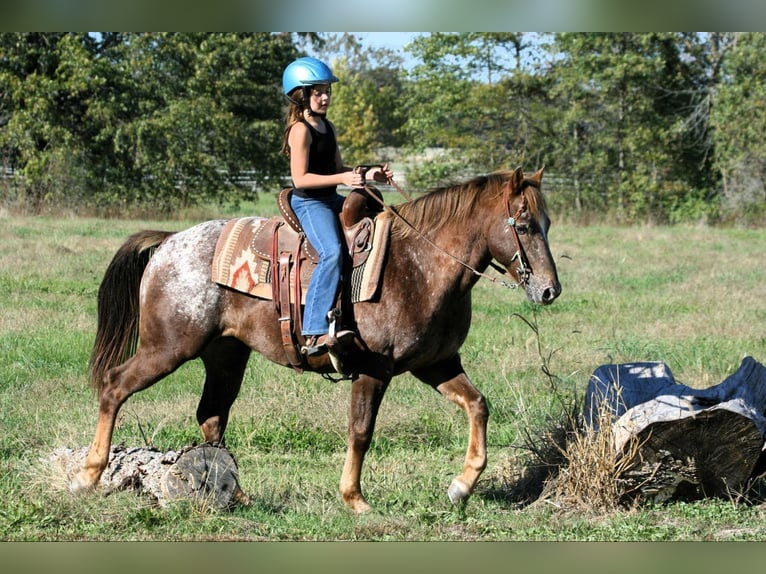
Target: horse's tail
118	306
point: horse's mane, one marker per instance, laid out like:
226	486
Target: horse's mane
452	203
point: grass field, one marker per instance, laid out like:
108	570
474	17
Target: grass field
694	297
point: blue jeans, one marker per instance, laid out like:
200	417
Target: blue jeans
319	219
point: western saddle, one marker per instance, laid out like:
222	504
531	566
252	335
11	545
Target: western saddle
291	255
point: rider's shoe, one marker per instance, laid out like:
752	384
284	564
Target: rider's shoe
315	345
320	344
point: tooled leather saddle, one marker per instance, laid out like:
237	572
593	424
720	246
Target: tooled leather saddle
271	258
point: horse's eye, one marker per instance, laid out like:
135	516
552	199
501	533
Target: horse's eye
522	228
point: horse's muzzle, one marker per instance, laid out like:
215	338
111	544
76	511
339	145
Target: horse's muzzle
543	293
550	293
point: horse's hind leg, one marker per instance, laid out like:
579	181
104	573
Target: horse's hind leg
451	381
225	360
136	374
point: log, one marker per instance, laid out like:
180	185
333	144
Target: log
207	475
686	443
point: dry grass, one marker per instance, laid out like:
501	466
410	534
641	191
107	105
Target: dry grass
590	477
572	466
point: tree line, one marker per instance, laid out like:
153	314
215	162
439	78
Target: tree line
663	127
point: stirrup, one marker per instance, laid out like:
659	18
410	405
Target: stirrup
315	345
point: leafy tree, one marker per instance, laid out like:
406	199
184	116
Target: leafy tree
161	120
197	111
39	113
463	99
662	126
621	128
739	121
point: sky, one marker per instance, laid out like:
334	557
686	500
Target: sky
395	41
391	40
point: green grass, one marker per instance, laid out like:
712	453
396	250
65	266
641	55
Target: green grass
693	297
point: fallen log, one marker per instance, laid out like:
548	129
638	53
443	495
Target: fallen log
686	443
206	474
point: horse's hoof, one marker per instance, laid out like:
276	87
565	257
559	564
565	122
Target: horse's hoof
80	485
241	498
363	509
358	505
458	492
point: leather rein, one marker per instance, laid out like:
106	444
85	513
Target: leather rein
523	270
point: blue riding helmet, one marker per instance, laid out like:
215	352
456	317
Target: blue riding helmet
305	72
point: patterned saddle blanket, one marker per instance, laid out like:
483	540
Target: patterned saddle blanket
251	249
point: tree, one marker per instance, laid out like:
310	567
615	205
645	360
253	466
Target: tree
193	111
660	126
739	120
160	120
39	115
621	128
463	99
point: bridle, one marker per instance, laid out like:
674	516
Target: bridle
523	270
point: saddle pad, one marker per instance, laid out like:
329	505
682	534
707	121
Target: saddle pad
365	279
238	266
235	263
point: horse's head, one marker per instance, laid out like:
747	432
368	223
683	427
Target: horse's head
520	244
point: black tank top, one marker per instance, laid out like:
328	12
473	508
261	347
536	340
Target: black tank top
321	160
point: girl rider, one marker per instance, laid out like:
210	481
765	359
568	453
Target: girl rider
316	170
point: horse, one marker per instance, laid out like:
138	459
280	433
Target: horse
158	290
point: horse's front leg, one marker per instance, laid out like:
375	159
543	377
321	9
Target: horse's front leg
366	395
449	378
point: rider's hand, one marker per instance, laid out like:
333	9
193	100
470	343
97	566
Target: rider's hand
352	178
382	174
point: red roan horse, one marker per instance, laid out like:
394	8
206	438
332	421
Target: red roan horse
439	247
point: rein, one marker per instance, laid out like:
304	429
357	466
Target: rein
363	169
523	270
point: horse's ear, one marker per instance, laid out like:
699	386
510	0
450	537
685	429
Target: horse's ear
516	180
537	177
